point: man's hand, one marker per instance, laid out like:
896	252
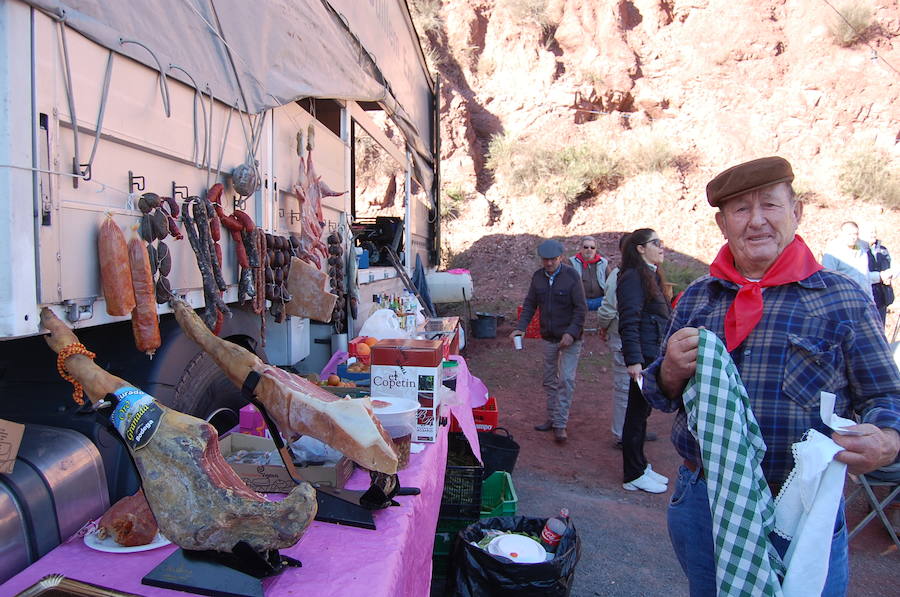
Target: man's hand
680	361
635	371
515	333
604	334
868	452
566	340
886	277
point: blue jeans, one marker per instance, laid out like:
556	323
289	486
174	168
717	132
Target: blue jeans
690	530
594	303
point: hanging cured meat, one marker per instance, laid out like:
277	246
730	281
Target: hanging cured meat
310	190
115	273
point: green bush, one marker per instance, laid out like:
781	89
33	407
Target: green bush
681	276
868	175
552	171
850	25
452	200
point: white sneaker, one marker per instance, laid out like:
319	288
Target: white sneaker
649	472
645	483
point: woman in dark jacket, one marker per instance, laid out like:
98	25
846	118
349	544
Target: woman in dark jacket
643	317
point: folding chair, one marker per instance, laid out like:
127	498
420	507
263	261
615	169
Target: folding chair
883	477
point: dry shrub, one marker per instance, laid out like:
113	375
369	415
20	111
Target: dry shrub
649	152
850	25
868	175
552	171
529	11
426	15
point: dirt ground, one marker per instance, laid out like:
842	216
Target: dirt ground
625	543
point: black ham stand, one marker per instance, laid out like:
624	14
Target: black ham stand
218	574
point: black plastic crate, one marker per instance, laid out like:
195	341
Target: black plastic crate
462	481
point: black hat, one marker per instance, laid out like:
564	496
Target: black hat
550	249
746	177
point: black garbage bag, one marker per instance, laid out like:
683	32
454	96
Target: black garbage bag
476	573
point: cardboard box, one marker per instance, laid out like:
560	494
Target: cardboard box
10	440
273	478
408	353
404	382
419	383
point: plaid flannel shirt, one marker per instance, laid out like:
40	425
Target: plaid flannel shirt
822	333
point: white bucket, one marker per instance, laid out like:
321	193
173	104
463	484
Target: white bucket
444	287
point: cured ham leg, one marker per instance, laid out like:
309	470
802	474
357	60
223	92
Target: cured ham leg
297	405
198	500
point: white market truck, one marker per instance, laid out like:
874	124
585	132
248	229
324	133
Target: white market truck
105	101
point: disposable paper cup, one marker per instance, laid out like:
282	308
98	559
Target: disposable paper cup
517	342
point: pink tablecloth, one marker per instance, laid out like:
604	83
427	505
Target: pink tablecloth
394	559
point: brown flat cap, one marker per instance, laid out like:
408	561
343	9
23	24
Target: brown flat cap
748	176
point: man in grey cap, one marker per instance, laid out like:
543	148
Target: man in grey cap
792	330
557	290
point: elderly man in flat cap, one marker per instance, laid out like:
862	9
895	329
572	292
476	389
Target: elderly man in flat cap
557	290
791	330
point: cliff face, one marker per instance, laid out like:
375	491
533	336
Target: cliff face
717	82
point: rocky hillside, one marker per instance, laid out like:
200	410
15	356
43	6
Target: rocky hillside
602	116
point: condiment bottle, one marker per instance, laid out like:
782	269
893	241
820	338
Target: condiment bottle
553	530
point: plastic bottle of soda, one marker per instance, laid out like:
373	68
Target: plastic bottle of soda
553	530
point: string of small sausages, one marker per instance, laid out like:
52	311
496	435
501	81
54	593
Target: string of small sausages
200	236
65	353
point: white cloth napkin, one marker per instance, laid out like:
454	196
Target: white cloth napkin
806	507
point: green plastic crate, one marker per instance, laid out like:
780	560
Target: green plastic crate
447	529
498	496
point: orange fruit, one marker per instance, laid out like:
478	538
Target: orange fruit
370	341
334	380
363	349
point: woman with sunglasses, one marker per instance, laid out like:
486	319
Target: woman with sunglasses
644	313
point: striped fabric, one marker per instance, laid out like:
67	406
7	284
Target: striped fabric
732	449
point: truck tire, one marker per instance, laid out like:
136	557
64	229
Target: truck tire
204	391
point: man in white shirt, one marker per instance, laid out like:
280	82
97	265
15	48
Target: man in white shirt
848	255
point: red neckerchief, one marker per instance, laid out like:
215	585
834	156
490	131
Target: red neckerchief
795	263
585	263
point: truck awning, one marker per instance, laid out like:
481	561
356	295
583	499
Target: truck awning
260	55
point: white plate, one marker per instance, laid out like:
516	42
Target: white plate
518	548
109	545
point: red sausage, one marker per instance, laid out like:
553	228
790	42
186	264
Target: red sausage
144	319
115	273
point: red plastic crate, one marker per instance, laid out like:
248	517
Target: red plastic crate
534	326
486	416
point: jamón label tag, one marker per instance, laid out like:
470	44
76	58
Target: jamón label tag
136	417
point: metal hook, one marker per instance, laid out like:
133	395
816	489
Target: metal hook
134	184
239	203
179	190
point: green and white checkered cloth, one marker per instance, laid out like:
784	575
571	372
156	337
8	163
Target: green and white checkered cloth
743	512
